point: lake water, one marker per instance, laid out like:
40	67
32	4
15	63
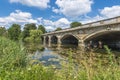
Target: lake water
49	56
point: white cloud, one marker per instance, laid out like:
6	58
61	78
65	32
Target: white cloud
106	12
110	11
63	23
17	17
22	18
73	8
91	19
52	25
34	3
55	10
25	17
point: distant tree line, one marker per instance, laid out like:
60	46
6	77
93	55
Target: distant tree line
30	32
72	25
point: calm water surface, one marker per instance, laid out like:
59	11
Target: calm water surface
49	56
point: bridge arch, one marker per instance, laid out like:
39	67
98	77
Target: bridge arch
54	39
107	37
69	39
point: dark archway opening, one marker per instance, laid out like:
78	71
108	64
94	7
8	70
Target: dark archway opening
69	40
54	40
42	40
46	40
111	39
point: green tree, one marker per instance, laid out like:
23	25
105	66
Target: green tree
75	24
58	29
26	30
42	28
14	32
3	31
34	36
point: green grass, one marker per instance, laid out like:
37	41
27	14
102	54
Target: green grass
14	65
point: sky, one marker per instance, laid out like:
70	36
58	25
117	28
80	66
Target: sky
56	13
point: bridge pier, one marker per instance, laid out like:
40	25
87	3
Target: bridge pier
59	42
49	41
81	44
44	40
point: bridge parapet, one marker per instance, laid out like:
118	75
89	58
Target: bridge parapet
89	25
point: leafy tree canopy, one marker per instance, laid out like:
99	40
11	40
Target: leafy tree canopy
30	26
3	31
42	28
27	28
75	24
14	32
58	29
34	36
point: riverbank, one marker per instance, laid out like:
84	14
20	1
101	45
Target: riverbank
14	65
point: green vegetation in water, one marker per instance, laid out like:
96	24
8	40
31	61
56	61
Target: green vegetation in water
14	65
33	47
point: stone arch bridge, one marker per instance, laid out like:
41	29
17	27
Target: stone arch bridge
107	30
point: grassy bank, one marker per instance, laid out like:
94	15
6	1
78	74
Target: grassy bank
14	65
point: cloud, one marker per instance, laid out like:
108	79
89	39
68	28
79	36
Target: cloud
73	8
22	18
34	3
63	23
91	19
17	17
106	12
52	25
110	11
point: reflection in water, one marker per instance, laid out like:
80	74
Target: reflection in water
49	57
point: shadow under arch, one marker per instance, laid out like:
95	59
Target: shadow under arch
42	39
110	38
69	39
54	39
46	39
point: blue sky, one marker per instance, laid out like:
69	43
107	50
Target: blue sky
56	13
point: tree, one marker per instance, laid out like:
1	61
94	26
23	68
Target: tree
42	28
58	29
34	36
3	31
26	30
75	24
14	32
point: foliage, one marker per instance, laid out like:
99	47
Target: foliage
3	31
34	36
87	66
42	28
58	29
12	54
26	30
14	32
75	24
107	49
